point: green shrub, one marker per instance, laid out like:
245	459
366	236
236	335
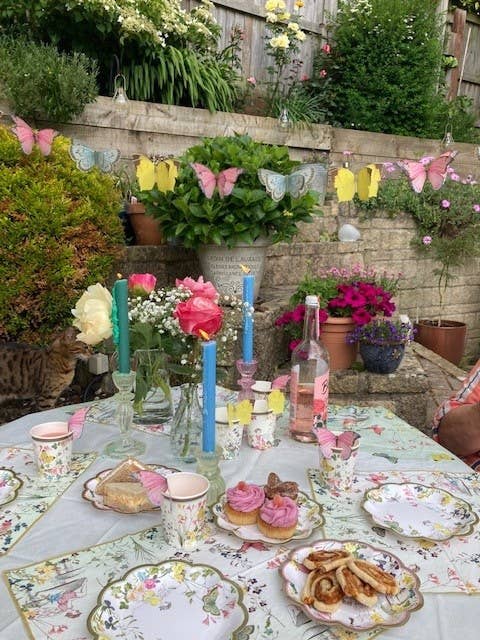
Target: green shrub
59	233
39	82
383	68
166	54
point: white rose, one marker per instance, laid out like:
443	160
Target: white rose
300	36
93	315
280	42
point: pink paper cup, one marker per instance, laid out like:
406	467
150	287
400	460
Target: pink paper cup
183	509
52	449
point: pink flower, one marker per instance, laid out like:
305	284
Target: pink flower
323	73
199	288
326	48
298	314
476	208
293	343
361	317
427	240
251	80
141	284
322	316
445	204
455	177
149	583
304	77
199	314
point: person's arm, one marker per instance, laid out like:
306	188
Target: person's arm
459	429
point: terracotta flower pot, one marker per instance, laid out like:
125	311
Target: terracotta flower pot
333	334
447	340
146	228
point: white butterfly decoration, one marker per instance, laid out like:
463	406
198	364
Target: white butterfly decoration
86	158
296	184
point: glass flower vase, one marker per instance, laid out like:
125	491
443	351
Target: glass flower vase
186	430
153	396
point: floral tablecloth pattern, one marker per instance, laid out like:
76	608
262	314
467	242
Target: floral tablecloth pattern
35	496
445	567
56	596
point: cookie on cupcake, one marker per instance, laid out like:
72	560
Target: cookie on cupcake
278	517
243	503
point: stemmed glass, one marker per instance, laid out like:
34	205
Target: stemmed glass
124	446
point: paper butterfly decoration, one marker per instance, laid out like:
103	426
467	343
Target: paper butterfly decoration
29	137
328	440
435	171
281	382
365	183
296	184
275	485
224	180
76	422
241	412
86	158
155	485
276	401
162	173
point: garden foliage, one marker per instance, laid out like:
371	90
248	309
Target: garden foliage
59	233
167	54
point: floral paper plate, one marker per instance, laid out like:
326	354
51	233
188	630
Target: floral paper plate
309	518
389	611
97	500
10	484
418	511
172	599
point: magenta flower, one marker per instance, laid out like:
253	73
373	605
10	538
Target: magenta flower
361	317
298	314
427	240
445	204
293	343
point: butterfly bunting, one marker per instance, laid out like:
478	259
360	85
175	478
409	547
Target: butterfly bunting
434	170
241	411
76	422
155	485
162	173
29	137
297	184
224	181
328	441
86	158
364	184
276	401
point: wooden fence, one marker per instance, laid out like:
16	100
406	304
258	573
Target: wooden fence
249	15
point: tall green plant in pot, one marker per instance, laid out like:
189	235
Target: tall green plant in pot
218	200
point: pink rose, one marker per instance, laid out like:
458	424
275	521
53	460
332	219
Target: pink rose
199	288
199	314
326	48
251	80
323	73
141	284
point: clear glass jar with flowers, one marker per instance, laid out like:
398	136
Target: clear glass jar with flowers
382	343
348	297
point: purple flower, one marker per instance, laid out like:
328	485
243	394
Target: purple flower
427	240
445	204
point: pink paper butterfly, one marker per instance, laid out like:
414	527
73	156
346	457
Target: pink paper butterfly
328	440
29	137
224	180
76	422
435	171
155	484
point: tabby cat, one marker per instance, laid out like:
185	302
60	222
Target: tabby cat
40	374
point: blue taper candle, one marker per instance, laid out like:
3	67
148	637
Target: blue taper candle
120	293
247	337
209	358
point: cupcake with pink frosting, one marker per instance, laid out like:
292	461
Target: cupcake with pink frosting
278	518
243	503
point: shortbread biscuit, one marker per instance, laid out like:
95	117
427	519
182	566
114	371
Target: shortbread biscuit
379	579
354	587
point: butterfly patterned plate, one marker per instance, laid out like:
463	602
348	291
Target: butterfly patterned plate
97	500
10	484
389	611
170	599
309	518
419	511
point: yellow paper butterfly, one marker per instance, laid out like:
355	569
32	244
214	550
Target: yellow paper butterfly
276	401
241	412
365	184
162	173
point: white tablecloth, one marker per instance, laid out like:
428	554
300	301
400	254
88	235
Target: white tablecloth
72	523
